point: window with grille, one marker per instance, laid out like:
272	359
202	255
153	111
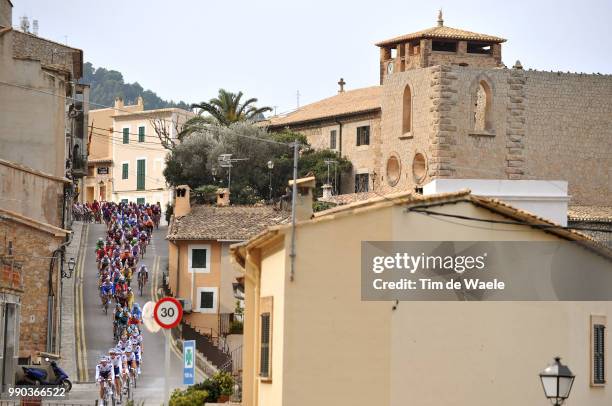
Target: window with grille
362	182
332	139
207	300
199	258
126	135
363	135
140	174
264	357
599	372
141	134
124	171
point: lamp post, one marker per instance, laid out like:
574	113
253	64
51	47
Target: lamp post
270	167
71	265
557	380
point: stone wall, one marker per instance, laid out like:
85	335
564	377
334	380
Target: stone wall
31	193
33	248
29	46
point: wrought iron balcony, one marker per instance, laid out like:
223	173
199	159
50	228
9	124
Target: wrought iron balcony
79	165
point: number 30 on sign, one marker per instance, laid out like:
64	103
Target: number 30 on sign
168	312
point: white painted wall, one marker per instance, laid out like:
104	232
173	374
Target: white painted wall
544	198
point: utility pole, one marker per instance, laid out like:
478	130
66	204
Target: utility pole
296	147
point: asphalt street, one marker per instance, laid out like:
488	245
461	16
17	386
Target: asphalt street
97	327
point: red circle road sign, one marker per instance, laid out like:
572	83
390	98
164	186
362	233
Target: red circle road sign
168	312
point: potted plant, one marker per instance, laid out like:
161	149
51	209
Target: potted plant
225	381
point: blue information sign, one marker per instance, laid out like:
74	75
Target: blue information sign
189	362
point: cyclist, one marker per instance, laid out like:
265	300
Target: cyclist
145	272
129	298
107	289
137	312
130	358
104	372
115	360
135	344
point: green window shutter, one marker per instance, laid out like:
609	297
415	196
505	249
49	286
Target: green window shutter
124	171
198	258
140	200
599	370
126	135
264	356
140	174
141	134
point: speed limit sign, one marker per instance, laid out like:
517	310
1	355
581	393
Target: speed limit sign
168	312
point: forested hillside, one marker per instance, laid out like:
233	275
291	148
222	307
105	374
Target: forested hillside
108	84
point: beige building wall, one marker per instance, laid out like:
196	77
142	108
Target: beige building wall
430	353
98	185
150	150
184	284
41	143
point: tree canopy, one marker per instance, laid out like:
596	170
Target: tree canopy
106	85
228	108
195	161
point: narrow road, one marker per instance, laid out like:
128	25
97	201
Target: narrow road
98	334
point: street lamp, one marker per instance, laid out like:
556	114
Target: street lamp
557	380
71	265
270	167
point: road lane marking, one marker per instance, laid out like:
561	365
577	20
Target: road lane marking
81	370
84	338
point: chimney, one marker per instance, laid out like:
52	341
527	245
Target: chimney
118	103
181	201
140	102
223	197
341	83
304	198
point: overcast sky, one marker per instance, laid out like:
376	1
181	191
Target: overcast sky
270	49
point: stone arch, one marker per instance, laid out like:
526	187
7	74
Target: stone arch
393	169
482	105
407	110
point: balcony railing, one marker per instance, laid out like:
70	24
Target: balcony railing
11	275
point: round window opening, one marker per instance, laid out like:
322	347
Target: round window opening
419	167
393	170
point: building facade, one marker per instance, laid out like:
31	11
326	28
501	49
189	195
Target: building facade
447	107
98	183
138	156
200	272
306	325
43	155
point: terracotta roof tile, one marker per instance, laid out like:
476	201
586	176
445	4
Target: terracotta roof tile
443	32
234	223
592	213
348	198
348	102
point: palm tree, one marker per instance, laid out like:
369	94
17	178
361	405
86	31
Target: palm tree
226	109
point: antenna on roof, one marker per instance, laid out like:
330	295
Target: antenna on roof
440	19
297	95
35	27
225	161
25	24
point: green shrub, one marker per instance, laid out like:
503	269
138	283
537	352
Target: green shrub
225	380
211	387
188	397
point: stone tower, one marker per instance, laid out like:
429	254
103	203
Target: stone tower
439	45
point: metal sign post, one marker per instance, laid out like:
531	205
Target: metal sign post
168	314
189	362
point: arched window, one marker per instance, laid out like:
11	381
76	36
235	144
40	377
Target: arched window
482	108
407	112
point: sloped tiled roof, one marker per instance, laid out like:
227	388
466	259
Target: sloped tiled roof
590	213
348	102
443	32
348	198
233	223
